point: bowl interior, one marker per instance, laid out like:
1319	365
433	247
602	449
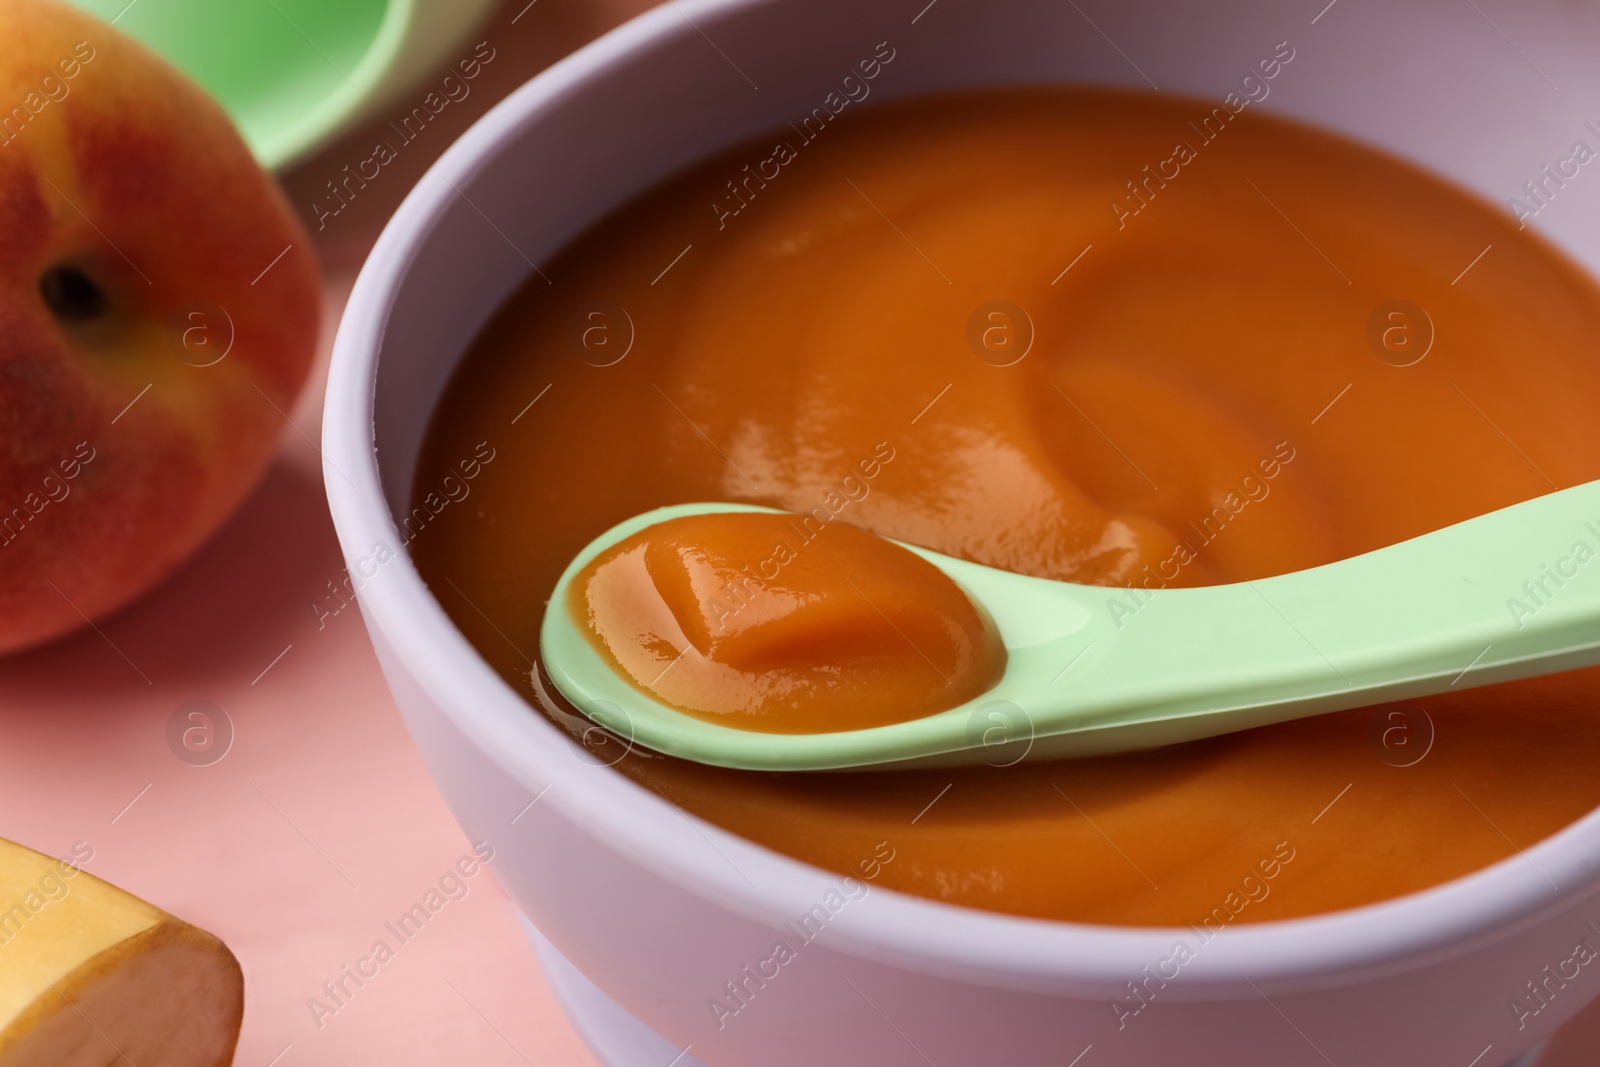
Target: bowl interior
1432	81
1435	82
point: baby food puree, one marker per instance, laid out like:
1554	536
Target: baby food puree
833	629
994	325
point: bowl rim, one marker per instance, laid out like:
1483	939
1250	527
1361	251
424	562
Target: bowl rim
1339	947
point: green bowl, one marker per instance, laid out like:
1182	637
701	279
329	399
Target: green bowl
295	73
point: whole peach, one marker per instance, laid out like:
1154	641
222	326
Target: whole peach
158	315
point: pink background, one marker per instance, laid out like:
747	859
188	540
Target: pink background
320	824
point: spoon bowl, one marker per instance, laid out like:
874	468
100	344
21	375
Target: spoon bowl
1093	670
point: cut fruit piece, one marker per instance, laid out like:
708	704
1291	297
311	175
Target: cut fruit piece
92	976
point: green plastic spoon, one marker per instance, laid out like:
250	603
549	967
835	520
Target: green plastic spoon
295	73
1095	670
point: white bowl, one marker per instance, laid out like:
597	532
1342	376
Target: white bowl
658	909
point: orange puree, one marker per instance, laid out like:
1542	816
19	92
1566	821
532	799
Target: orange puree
785	624
1208	390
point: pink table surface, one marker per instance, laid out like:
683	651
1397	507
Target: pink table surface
320	824
317	827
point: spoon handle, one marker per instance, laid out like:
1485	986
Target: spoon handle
1506	595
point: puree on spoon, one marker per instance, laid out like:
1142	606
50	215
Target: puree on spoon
1203	398
782	624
